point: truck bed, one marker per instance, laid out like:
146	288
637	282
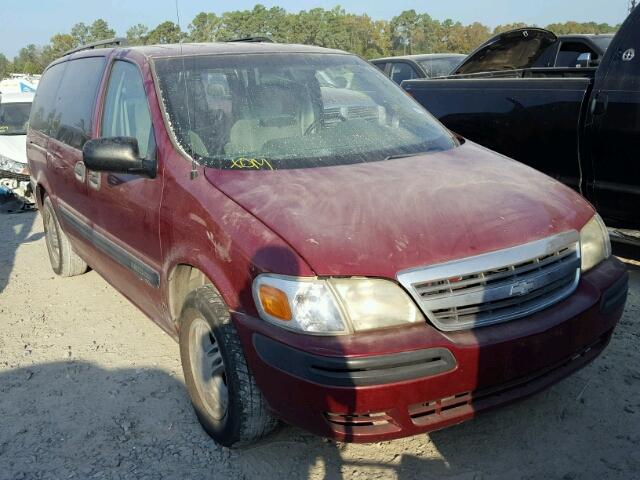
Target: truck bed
533	115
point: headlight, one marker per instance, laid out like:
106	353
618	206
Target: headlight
595	245
333	306
9	165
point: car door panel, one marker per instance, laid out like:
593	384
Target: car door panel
69	128
125	208
614	131
70	198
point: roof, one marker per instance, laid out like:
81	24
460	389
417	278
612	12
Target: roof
218	48
423	56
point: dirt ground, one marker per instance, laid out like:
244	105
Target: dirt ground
90	388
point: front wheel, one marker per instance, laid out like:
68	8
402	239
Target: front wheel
223	391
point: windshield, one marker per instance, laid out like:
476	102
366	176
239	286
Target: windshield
440	67
273	111
14	118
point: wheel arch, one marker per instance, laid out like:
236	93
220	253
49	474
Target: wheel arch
185	277
40	193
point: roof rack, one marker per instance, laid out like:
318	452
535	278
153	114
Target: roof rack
118	41
252	40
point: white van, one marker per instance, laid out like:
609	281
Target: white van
14	119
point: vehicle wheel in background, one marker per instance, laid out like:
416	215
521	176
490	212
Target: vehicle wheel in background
64	261
224	394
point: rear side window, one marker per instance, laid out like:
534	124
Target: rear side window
43	107
71	119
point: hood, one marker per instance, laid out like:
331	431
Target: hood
377	218
14	147
513	50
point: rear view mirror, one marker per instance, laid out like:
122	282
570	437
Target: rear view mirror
584	60
118	155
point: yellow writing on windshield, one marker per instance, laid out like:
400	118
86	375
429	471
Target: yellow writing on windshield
255	163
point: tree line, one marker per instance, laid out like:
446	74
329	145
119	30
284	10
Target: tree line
407	33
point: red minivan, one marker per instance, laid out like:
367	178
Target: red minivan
325	252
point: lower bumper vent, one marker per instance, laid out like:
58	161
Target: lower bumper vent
433	411
363	423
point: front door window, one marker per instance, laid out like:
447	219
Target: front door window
126	111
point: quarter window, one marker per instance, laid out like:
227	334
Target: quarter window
126	110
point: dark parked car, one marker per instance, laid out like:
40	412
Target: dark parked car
527	48
362	276
578	125
408	67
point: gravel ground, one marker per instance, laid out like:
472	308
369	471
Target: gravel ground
90	388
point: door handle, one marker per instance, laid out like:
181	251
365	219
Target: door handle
80	171
95	180
599	104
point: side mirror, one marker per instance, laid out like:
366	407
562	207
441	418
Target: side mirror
118	155
584	60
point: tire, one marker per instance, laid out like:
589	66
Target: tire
65	262
241	417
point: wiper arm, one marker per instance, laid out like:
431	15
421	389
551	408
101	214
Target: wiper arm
406	155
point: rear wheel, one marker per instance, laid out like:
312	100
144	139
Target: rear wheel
64	260
223	391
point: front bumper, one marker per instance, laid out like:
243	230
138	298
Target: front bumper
404	381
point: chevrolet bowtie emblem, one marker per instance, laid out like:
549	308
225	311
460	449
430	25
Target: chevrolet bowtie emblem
522	288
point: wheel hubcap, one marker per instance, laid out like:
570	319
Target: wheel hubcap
53	243
208	369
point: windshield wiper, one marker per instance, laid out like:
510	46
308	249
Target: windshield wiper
406	155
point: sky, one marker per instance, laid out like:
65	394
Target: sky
24	22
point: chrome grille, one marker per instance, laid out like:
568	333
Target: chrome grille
497	286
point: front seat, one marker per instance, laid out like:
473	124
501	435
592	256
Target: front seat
277	110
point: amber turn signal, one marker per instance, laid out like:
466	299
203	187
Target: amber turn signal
275	302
